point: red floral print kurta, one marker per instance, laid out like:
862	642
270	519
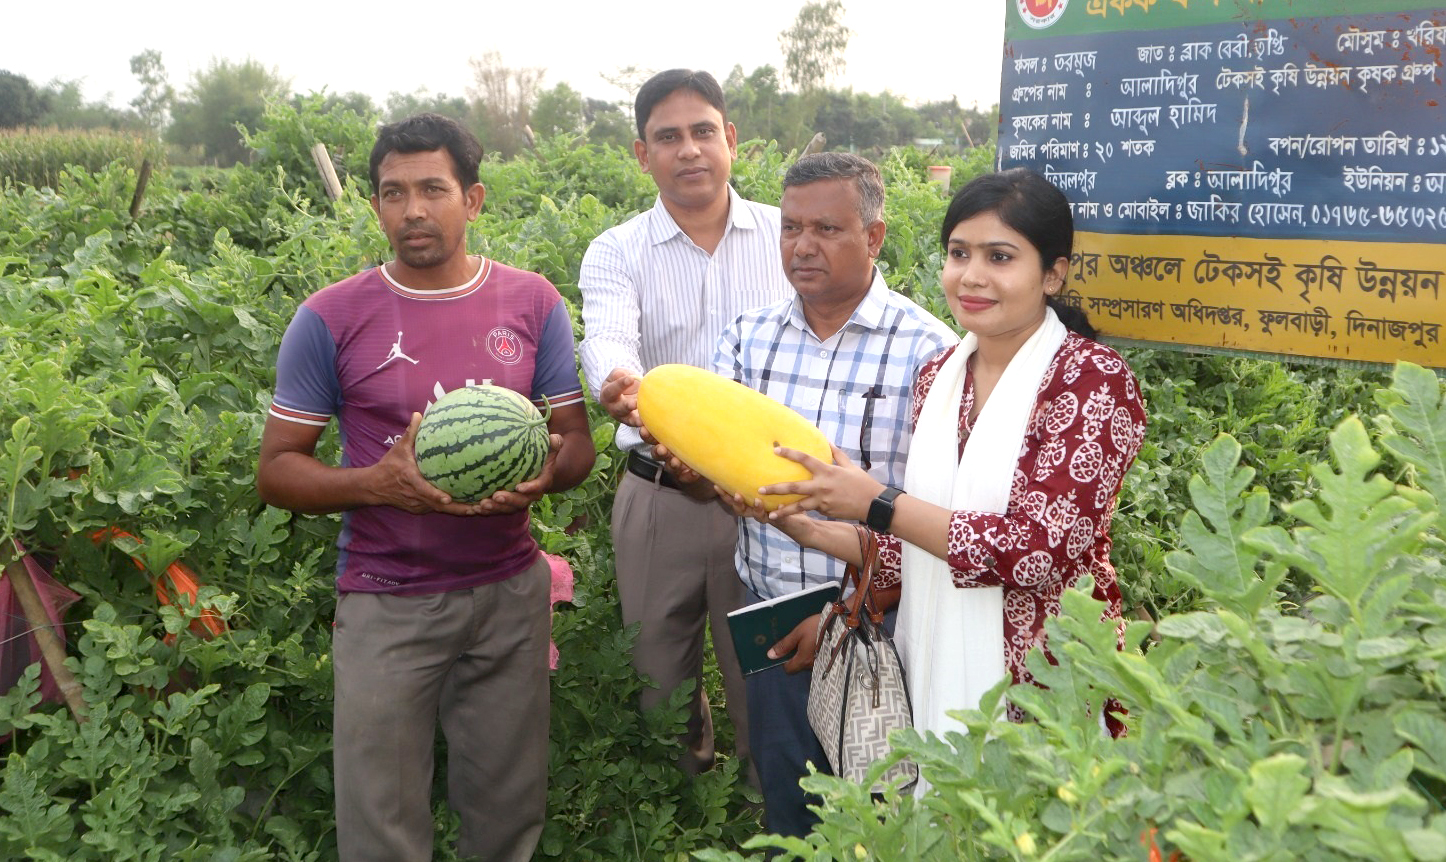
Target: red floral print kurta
1088	425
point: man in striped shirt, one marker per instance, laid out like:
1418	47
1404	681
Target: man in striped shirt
659	289
843	352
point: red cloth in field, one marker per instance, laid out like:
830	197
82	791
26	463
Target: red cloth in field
18	647
562	580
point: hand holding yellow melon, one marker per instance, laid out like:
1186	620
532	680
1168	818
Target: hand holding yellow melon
726	431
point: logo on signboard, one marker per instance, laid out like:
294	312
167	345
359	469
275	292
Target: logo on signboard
1040	14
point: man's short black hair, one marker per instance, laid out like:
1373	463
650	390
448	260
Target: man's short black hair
424	133
665	84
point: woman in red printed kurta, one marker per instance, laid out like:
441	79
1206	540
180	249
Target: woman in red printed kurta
1003	508
1085	430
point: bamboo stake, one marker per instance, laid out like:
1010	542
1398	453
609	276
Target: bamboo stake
52	651
141	182
327	171
968	137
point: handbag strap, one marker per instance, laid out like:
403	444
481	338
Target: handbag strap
869	552
861	577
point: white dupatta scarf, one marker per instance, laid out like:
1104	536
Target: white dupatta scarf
952	640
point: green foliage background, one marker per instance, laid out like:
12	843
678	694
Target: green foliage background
1286	704
36	157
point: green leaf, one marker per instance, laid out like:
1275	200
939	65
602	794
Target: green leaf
1277	786
173	715
17	704
1197	625
1426	845
1419	411
1427	732
1359	530
1215	559
1291	629
240	725
1383	648
34	820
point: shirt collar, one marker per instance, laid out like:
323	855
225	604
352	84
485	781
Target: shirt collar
867	315
662	227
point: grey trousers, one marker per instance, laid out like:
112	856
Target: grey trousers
475	659
676	574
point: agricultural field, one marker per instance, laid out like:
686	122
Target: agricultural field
1280	548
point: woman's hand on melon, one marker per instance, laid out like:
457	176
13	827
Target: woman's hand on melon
839	490
526	493
619	396
798	526
398	482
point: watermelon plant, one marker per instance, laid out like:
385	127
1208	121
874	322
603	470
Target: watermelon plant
1258	729
135	380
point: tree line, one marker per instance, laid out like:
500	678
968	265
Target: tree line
508	107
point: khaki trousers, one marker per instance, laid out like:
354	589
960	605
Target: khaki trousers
475	659
676	574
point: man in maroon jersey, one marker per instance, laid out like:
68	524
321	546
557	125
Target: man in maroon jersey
442	610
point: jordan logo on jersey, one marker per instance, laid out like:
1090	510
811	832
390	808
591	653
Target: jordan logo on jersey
396	353
504	345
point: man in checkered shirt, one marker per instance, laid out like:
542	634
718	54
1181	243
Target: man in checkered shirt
843	352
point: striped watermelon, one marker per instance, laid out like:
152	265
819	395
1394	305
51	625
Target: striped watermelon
478	440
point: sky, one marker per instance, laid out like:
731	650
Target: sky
919	50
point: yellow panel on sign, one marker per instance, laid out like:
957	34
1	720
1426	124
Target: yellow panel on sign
1360	301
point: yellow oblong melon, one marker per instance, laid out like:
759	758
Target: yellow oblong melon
726	431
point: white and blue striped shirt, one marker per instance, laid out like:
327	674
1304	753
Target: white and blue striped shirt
650	296
855	385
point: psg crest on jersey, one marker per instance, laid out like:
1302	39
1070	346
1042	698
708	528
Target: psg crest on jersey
504	345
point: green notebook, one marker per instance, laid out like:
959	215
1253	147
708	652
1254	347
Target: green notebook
758	627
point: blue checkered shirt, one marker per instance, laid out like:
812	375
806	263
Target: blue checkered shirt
855	386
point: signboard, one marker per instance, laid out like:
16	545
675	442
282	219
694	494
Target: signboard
1253	175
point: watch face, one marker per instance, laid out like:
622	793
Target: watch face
881	513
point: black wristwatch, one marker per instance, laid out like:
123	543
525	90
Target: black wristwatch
881	510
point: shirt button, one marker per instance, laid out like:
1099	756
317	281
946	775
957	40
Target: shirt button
988	562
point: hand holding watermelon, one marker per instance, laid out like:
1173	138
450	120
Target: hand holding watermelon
526	493
396	481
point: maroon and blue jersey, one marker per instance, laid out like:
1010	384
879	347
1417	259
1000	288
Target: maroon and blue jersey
371	352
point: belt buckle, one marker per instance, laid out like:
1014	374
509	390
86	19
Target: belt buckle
651	471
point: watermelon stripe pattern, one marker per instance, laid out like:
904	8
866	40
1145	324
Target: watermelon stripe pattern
478	440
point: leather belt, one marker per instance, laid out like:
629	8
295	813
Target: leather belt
651	471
